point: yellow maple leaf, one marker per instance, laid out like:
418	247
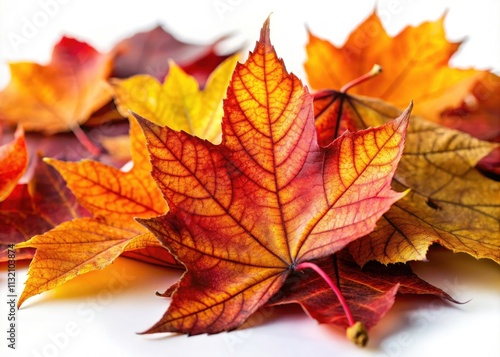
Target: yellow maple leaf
178	102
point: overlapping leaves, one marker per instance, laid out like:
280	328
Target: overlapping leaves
464	99
370	292
43	202
278	183
244	213
414	54
81	245
450	202
114	197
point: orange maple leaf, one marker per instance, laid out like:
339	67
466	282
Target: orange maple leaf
414	62
114	198
244	214
60	95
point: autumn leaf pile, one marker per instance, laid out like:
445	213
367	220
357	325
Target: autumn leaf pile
247	178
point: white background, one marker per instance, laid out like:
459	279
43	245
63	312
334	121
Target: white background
98	314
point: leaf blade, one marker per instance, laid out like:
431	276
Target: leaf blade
238	209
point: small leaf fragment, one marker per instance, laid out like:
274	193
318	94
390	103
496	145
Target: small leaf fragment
146	53
13	163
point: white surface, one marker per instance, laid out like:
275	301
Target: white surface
98	314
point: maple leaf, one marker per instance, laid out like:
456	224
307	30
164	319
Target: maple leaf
114	198
35	208
370	291
247	212
60	95
13	163
178	102
147	53
450	202
415	53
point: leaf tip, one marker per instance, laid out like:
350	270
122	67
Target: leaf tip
265	32
405	192
22	245
445	13
48	160
407	112
19	131
140	119
24	296
146	332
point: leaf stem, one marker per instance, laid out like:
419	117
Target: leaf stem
85	141
356	332
377	69
329	281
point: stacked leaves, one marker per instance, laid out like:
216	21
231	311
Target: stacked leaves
241	192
